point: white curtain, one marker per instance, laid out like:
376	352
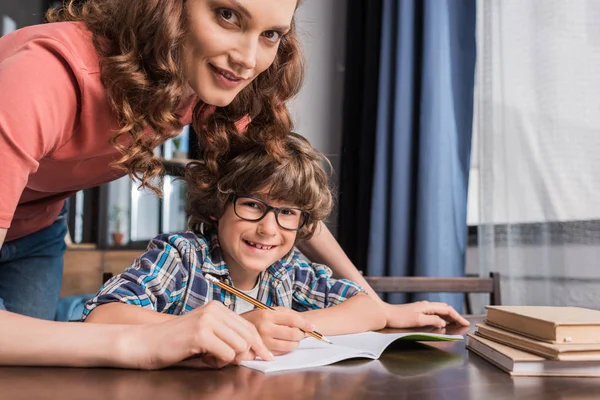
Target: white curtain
536	156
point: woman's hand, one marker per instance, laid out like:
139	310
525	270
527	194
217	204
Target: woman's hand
421	313
212	332
280	330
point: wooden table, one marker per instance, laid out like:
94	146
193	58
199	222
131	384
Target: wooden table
405	371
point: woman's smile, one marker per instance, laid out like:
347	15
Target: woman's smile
225	77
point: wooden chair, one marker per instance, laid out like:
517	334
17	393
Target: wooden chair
418	284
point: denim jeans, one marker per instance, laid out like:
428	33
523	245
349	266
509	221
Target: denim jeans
31	271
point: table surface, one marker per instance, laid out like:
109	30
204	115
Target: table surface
404	371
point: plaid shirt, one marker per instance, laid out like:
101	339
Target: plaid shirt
169	278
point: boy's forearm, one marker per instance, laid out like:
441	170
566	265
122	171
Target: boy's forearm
359	313
121	313
322	248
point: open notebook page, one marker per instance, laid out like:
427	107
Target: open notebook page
314	353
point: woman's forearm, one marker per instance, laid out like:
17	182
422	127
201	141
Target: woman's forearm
359	313
211	329
26	341
322	248
120	313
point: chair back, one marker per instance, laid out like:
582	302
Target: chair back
419	284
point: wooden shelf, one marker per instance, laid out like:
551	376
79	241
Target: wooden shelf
83	269
81	246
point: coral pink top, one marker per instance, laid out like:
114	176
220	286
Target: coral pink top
55	123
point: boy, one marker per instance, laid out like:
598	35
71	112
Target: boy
245	219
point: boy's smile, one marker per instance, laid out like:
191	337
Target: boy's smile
259	246
251	247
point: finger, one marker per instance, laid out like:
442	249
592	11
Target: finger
431	320
292	320
261	350
195	363
459	319
283	332
217	336
213	361
448	312
234	337
456	317
238	324
246	356
217	348
280	347
230	328
249	333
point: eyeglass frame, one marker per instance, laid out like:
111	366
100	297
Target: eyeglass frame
268	209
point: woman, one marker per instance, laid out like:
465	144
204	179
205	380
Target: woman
89	98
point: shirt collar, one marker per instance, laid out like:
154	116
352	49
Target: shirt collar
213	262
281	268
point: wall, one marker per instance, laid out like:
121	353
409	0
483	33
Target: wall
21	12
317	111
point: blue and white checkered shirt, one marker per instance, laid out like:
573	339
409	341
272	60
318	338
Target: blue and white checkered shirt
169	278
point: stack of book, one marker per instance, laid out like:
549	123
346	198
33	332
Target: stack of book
540	341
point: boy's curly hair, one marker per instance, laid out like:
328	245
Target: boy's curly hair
296	176
139	43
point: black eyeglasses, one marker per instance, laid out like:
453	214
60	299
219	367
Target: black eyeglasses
252	209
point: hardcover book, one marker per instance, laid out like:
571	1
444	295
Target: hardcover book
549	324
544	349
520	363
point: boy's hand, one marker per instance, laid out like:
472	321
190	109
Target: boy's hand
421	313
279	329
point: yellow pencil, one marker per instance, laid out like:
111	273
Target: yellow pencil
257	303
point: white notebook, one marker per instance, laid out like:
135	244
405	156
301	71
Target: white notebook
315	353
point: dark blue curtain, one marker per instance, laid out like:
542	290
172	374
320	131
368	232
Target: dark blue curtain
423	141
363	38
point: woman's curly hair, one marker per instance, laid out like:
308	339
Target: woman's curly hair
140	46
296	176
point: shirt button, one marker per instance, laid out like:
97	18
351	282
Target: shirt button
227	302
